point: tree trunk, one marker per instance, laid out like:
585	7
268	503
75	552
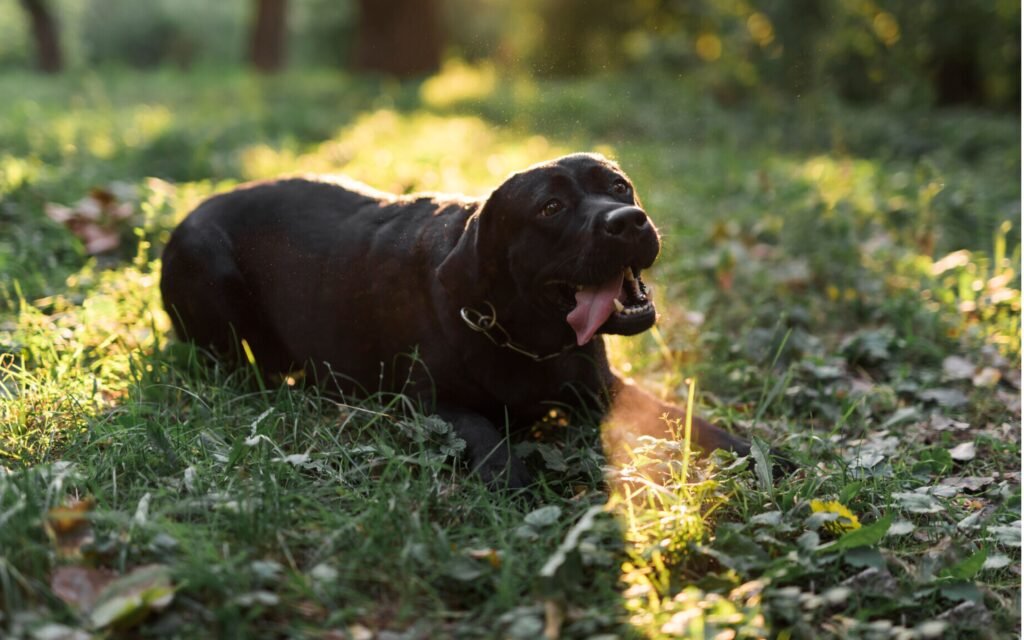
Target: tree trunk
46	36
267	38
399	37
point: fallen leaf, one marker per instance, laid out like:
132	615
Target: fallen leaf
544	516
96	239
969	483
969	521
963	452
1007	535
918	502
996	561
142	509
54	631
872	580
324	573
490	555
900	528
259	597
939	491
1010	400
940	422
126	601
266	570
969	615
959	258
837	595
98	218
680	622
554	616
359	632
866	460
463	569
900	415
80	587
987	377
69	527
58	212
931	629
944	397
957	368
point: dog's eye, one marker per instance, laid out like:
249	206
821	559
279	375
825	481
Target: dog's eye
620	188
551	207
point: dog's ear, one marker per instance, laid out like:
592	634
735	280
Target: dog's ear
468	269
477	262
463	259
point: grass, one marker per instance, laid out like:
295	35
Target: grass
841	283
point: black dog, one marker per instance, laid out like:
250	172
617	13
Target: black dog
501	299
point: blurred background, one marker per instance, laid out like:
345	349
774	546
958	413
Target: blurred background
927	52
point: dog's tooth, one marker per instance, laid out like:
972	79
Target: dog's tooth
618	305
628	273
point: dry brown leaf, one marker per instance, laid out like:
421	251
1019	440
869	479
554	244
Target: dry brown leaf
359	632
68	526
490	555
97	239
80	587
987	377
554	616
58	212
97	218
164	188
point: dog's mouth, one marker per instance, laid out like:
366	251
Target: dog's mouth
621	305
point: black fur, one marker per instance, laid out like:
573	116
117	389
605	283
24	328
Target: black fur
347	283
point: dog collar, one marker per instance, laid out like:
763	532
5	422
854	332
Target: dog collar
487	324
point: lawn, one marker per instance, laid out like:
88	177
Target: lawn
839	283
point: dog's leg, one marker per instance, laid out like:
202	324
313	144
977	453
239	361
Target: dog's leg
211	304
489	453
634	412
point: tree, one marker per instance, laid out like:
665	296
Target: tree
267	38
399	37
45	35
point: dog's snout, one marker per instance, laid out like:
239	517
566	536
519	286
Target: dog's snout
625	221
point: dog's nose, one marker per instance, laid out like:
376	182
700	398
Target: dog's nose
625	221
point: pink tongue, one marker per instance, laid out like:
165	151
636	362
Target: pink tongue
593	306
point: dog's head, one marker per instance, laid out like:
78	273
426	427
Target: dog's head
569	238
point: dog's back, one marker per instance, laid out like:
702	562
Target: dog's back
308	270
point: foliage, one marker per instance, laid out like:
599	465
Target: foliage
907	53
842	282
866	51
165	32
